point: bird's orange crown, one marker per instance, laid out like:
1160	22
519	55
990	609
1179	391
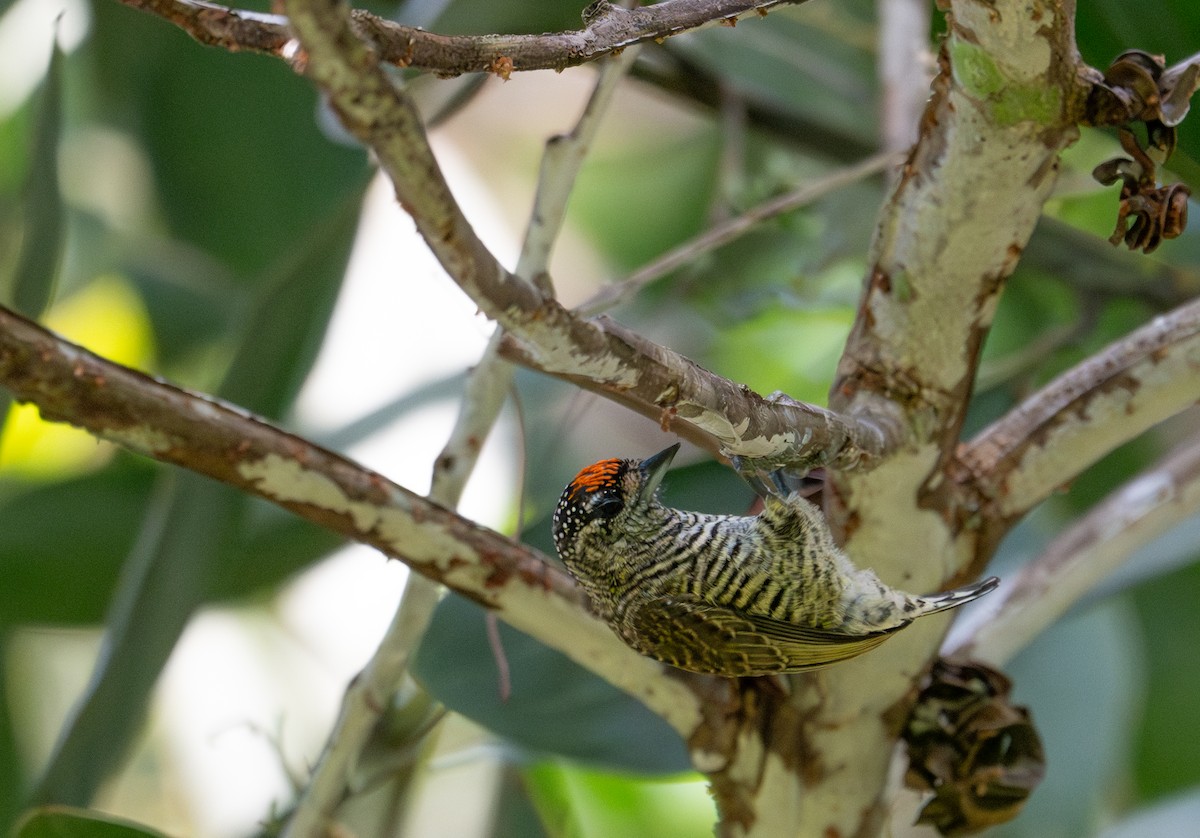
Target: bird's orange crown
597	476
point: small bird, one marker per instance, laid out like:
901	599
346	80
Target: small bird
728	595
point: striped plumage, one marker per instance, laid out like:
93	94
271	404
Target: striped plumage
724	594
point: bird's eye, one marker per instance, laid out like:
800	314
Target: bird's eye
604	506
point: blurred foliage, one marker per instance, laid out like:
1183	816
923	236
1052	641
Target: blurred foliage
595	804
70	822
189	212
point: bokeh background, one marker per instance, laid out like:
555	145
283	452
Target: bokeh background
174	653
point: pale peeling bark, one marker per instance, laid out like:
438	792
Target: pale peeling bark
1108	399
646	376
1083	555
956	224
159	420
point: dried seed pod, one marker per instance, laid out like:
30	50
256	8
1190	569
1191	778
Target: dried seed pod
979	755
1137	88
1118	168
1175	210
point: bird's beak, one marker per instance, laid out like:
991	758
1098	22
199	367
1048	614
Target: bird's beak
655	469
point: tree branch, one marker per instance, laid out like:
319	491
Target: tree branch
487	389
1004	105
1082	556
159	420
366	699
1147	376
599	353
606	29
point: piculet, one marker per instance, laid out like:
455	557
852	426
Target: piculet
724	594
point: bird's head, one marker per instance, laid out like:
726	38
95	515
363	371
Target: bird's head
605	498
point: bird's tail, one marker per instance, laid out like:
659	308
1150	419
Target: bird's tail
933	603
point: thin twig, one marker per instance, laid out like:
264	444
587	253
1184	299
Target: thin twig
728	231
496	643
561	162
367	698
607	29
487	388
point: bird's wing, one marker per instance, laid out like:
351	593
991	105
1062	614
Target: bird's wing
702	637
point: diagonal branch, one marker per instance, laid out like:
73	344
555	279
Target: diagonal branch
487	388
598	353
1147	376
159	420
607	29
1086	553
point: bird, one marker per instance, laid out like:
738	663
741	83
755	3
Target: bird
765	594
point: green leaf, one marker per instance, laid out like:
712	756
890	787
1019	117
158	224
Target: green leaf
241	165
795	350
815	69
556	706
192	533
11	764
73	822
1168	732
481	17
271	546
42	241
60	562
35	274
672	178
1082	683
286	325
515	813
597	804
162	582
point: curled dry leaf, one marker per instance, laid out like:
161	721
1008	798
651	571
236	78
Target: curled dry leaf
1137	88
1147	213
1176	87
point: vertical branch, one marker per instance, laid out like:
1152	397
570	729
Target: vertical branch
561	163
1004	105
367	698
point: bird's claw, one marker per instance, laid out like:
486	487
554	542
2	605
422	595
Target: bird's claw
763	483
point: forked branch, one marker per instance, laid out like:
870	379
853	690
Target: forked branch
597	353
488	385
